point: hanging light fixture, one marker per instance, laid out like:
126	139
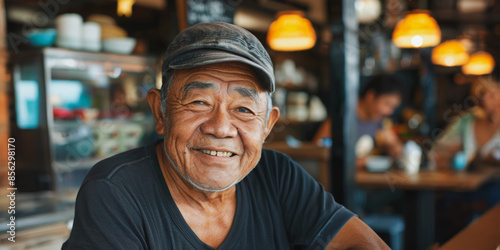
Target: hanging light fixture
291	31
125	7
367	11
417	30
450	53
480	63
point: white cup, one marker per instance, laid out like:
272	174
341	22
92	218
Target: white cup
69	31
91	31
411	162
412	155
91	36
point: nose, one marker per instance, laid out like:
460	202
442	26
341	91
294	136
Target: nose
387	111
219	125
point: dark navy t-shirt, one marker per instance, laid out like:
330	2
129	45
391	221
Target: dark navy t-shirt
367	128
124	203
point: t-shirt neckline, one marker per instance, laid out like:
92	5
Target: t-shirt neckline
177	217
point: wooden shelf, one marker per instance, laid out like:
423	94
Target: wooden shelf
307	150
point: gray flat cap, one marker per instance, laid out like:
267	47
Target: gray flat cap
216	42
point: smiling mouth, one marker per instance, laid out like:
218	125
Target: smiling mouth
216	153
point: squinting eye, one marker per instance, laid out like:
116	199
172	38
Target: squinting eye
244	110
199	102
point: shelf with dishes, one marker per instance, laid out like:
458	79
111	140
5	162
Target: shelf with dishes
97	33
296	94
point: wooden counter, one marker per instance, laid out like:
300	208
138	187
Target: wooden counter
427	180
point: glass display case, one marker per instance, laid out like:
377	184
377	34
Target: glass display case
72	109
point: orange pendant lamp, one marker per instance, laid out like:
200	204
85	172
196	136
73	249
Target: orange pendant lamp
480	63
124	7
417	30
450	53
291	31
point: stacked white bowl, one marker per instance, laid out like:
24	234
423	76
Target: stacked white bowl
69	31
98	32
91	36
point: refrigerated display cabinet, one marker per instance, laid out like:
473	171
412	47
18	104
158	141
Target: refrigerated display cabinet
71	109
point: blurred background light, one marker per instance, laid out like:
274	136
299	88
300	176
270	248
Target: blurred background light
368	11
417	30
480	63
125	7
291	32
450	53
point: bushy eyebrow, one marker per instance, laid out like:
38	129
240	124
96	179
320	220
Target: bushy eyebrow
246	92
198	85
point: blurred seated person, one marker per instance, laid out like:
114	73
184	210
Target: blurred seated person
475	133
378	100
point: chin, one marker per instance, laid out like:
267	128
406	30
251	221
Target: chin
212	182
212	187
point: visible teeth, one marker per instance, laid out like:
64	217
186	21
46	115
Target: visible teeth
215	153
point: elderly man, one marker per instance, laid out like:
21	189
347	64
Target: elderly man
209	184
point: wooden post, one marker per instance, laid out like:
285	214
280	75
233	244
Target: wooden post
181	14
344	54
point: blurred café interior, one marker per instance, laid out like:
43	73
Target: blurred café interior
392	105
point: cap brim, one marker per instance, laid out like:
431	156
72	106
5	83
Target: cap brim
195	58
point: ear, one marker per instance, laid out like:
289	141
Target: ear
273	118
154	100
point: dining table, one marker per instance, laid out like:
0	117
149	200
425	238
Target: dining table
419	190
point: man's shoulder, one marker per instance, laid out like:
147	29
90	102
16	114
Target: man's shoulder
273	163
273	158
126	163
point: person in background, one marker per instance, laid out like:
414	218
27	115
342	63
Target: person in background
475	134
378	100
381	96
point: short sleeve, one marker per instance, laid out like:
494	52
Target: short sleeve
105	218
311	215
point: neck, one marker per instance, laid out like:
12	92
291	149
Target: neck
183	193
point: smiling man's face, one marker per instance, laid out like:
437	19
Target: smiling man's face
216	124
